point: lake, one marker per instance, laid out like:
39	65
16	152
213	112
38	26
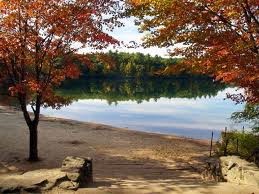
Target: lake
190	106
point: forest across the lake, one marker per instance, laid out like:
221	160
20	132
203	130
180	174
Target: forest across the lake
123	64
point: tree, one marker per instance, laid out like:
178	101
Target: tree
36	40
249	114
219	37
129	69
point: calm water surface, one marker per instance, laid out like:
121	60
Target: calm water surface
190	107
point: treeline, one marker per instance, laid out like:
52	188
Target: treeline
134	89
115	90
122	64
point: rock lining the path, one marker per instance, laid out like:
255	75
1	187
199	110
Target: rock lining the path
232	169
236	170
75	172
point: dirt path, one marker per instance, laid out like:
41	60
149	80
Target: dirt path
125	161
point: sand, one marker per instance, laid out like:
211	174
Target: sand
125	161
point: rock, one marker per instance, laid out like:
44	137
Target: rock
73	176
236	170
78	169
9	189
32	189
74	172
72	163
69	185
44	178
33	180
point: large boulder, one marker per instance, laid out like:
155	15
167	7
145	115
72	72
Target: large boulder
78	170
74	173
36	180
236	170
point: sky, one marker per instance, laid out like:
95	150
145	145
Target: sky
130	33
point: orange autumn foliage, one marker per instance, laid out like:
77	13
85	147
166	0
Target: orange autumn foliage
37	35
37	39
219	37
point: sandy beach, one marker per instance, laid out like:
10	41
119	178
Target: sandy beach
125	161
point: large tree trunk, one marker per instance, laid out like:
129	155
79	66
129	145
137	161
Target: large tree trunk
33	154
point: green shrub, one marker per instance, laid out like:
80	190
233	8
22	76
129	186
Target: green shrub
237	143
250	114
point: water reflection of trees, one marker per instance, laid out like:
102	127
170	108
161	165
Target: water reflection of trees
115	90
